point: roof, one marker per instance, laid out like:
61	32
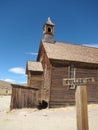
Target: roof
34	66
49	22
24	86
71	52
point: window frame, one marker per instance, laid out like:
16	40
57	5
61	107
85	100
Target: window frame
72	71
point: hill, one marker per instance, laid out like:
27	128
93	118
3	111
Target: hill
5	88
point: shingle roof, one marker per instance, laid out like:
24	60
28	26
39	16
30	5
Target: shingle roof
71	52
34	66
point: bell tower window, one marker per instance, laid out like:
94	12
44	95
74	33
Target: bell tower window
49	30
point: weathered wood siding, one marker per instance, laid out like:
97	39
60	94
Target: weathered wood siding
92	89
60	95
42	57
24	97
47	79
35	79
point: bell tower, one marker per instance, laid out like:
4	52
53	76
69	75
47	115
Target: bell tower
48	31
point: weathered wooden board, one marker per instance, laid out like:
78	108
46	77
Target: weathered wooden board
23	97
78	81
81	108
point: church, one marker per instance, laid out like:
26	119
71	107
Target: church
56	61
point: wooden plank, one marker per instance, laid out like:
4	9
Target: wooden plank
81	108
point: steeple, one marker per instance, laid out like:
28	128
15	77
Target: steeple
48	31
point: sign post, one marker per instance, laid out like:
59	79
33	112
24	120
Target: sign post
81	99
81	108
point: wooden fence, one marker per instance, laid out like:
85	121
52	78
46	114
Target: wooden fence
23	97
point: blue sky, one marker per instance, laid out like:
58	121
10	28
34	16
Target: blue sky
21	22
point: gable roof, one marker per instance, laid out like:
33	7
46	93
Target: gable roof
34	66
71	52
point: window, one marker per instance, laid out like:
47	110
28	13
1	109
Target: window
72	71
49	29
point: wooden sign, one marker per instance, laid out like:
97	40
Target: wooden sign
78	81
81	99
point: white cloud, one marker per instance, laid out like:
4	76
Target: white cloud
9	80
91	45
32	53
17	70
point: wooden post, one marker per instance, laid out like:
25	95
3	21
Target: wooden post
81	99
81	108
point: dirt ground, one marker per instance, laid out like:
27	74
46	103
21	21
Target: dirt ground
46	119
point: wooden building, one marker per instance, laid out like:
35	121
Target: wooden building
56	61
63	60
